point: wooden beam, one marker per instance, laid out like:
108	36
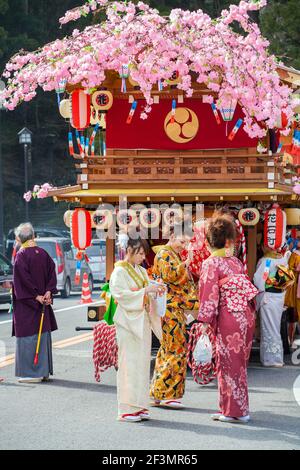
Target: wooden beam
110	257
252	250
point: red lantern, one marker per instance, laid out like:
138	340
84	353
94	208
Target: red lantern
81	110
81	229
275	228
282	122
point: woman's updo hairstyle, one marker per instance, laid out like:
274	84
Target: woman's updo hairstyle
136	244
219	229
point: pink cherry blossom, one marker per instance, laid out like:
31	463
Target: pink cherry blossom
233	66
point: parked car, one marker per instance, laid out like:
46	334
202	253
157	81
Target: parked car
40	232
64	257
6	277
97	259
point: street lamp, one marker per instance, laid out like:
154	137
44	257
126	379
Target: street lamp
25	139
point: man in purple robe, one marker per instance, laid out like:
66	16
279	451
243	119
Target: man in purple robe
33	287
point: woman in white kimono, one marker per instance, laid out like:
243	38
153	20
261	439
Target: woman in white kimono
270	302
134	319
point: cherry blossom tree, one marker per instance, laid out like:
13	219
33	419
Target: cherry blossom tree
234	66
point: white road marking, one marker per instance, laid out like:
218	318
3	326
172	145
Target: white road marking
93	304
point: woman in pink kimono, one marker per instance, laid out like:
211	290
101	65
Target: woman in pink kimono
226	304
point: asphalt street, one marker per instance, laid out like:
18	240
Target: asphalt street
74	412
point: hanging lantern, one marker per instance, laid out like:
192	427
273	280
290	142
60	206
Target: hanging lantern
127	218
81	230
102	100
249	217
67	218
81	110
65	109
275	228
173	215
102	219
95	117
150	218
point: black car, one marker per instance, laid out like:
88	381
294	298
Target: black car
6	277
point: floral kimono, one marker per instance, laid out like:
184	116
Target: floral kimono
171	363
134	323
226	294
292	298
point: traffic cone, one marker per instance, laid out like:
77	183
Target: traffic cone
86	296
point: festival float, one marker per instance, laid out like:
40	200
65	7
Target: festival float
167	111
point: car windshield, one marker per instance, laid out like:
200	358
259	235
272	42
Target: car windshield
96	250
47	246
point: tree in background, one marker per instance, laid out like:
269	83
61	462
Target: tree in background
29	24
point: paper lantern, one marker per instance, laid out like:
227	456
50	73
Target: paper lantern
81	109
102	100
102	219
249	216
68	218
173	215
95	118
293	216
81	229
150	218
275	228
127	218
65	109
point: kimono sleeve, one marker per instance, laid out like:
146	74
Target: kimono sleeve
51	285
172	272
127	299
258	278
209	292
24	287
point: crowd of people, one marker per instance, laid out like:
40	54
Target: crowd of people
225	301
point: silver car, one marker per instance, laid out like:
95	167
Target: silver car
97	259
6	277
64	257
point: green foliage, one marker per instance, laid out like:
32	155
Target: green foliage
29	24
280	24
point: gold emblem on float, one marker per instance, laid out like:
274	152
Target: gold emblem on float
184	128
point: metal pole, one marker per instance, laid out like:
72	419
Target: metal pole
1	192
26	180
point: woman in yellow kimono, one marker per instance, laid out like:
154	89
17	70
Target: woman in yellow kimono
134	318
292	298
168	383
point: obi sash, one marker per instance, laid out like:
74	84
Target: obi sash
236	292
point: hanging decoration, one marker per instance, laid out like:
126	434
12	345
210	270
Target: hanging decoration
173	215
131	113
102	219
124	75
227	112
102	100
235	130
249	216
81	110
150	218
71	145
65	109
174	103
126	219
81	235
282	122
275	228
61	88
216	114
174	80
